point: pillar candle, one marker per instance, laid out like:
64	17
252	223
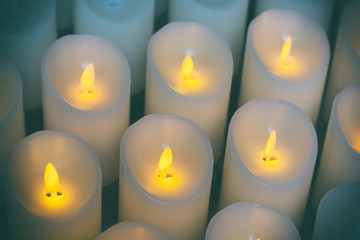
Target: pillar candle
245	220
173	196
198	90
340	159
286	57
127	23
27	28
54	188
227	18
86	92
282	177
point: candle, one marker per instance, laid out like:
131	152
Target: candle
134	231
54	188
340	159
227	18
244	220
86	91
293	72
263	168
27	29
339	213
127	23
166	167
199	93
345	68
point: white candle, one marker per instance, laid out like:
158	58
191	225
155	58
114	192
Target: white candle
127	23
27	29
244	220
299	75
282	177
339	213
345	68
134	231
100	114
227	18
340	159
176	198
58	201
203	94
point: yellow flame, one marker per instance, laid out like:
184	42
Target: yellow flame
187	67
270	146
285	52
52	188
87	81
165	171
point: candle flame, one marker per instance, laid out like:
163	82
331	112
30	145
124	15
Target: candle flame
270	146
285	52
164	170
187	67
87	81
52	189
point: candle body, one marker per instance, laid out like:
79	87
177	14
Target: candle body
244	220
127	23
31	215
246	176
205	103
180	207
301	82
101	120
227	18
26	30
340	159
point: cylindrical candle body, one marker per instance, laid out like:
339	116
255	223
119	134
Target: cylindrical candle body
247	177
179	207
204	102
134	231
302	80
99	119
340	159
77	215
244	220
127	23
345	67
227	18
27	28
338	215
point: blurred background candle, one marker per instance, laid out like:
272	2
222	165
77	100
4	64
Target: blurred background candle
134	231
244	220
282	180
340	159
86	92
299	75
64	203
27	28
338	215
201	92
127	23
227	18
173	196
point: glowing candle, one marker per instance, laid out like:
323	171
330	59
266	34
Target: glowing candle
165	175
268	167
54	188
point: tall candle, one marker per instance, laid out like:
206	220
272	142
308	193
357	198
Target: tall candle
54	188
189	72
286	57
86	92
166	167
270	157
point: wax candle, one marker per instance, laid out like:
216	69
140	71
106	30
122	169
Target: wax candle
345	68
189	71
245	220
270	156
134	231
340	159
286	57
338	215
86	92
54	188
127	23
166	167
27	28
227	18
